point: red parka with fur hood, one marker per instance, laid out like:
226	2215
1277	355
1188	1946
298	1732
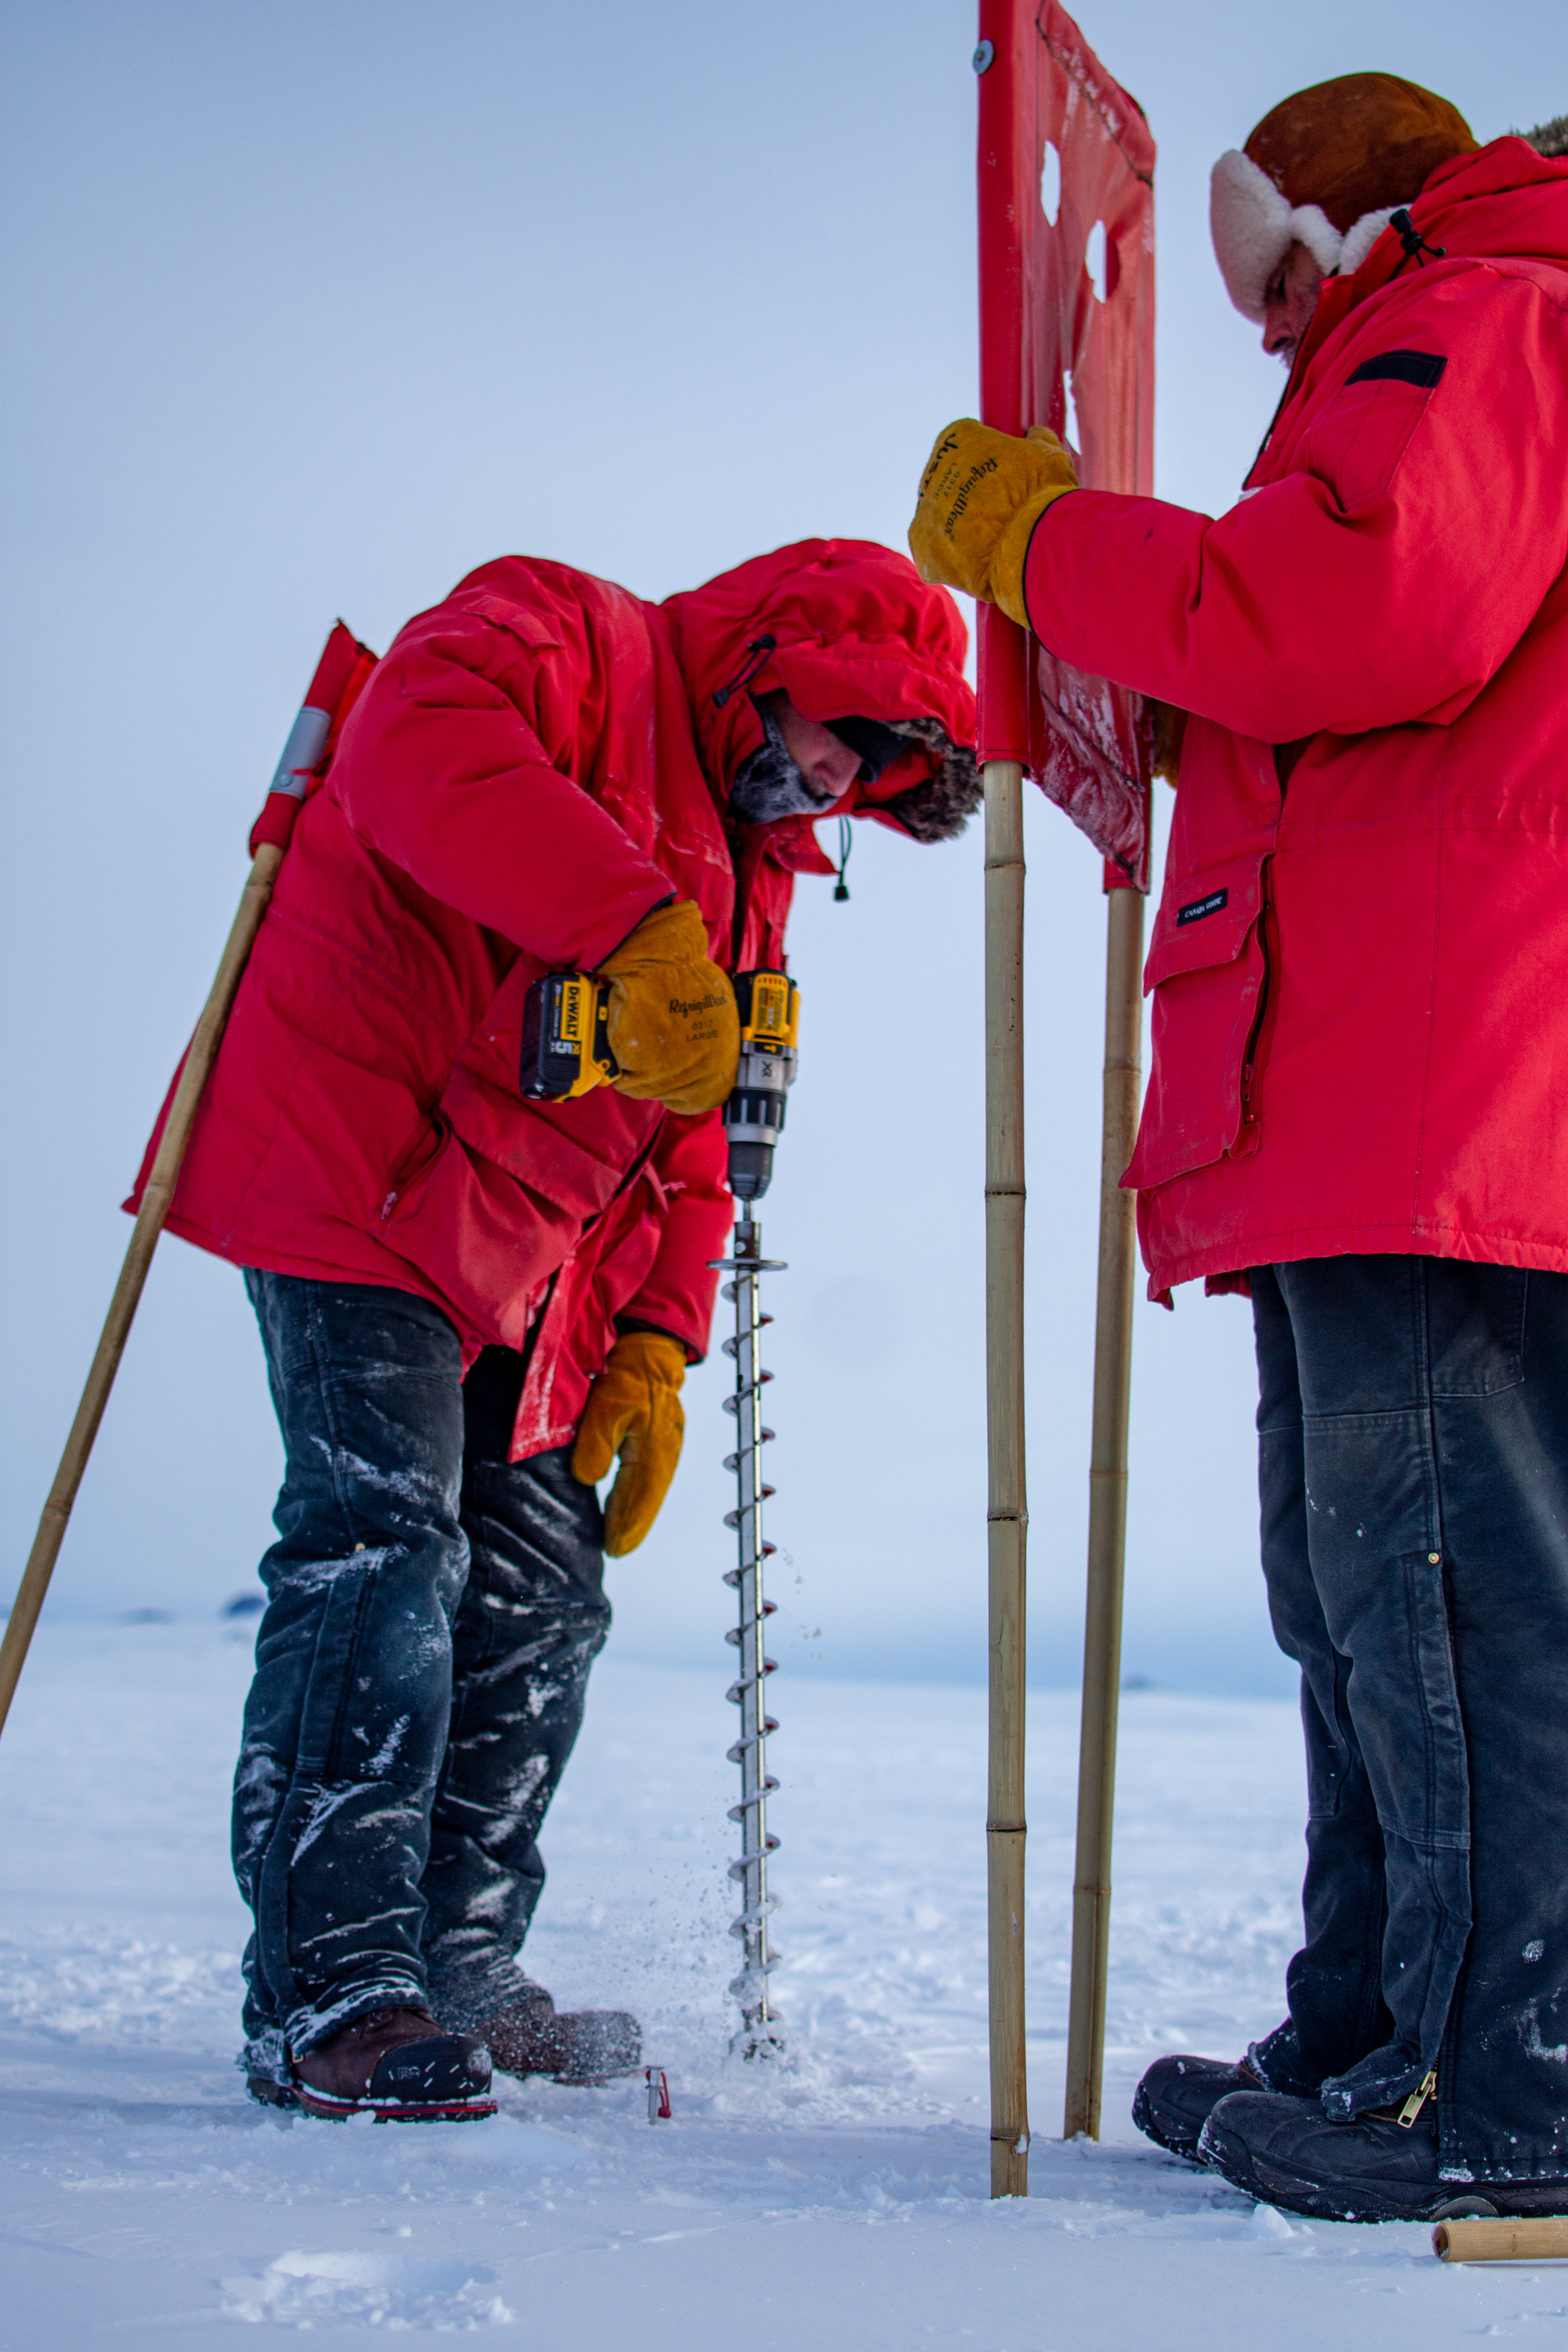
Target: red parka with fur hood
1360	966
534	765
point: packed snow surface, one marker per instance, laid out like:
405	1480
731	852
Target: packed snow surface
836	2200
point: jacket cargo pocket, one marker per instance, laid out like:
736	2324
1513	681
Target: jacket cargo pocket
1208	972
485	1240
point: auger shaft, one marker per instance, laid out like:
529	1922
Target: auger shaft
760	2030
768	1003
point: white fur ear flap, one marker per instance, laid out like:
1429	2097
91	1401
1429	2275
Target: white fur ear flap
1249	221
1254	228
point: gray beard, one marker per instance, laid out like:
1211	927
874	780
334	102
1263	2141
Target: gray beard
769	785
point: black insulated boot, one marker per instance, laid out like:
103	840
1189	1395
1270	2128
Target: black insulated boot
397	2065
1178	2095
1286	2152
582	2048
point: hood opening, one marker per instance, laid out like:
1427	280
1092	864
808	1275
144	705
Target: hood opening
940	806
855	630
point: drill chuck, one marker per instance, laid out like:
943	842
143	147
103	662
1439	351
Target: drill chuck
754	1122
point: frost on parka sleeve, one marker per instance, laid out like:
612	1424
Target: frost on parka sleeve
441	772
1383	580
690	1158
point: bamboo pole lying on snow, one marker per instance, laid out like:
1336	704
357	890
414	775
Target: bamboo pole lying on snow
1482	2241
155	1202
1107	1513
1007	1511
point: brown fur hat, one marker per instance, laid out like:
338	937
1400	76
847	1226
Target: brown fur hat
1358	144
1326	168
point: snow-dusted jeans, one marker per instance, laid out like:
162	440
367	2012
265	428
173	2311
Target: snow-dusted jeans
1413	1424
432	1614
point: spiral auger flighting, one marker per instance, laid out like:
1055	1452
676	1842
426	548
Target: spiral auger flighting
761	2030
753	1118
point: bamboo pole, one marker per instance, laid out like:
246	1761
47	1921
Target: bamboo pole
154	1209
1540	2240
1006	1512
1107	1515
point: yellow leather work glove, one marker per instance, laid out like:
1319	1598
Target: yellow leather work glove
981	495
633	1410
673	1025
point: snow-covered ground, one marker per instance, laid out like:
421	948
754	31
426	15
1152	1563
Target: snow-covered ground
836	2201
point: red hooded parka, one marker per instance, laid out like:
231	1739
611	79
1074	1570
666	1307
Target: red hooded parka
536	764
1360	965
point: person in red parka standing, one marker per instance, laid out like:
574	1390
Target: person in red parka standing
471	1302
1356	1105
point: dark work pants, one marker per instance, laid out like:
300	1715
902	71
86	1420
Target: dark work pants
1414	1477
432	1614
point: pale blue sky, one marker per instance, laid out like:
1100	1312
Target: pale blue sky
313	306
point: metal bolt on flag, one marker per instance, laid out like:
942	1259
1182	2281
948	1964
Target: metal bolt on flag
1067	305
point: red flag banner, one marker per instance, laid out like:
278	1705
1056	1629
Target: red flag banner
1067	338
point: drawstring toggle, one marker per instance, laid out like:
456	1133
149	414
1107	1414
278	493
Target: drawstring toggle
1411	239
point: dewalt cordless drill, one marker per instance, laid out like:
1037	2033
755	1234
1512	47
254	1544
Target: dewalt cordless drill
769	1006
566	1052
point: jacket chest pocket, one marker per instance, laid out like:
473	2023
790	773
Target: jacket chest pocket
1358	442
1208	973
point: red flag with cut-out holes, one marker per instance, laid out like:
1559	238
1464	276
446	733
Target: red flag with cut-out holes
1067	338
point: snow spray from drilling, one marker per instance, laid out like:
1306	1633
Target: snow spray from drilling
769	1005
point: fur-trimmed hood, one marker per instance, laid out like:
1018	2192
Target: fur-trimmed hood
848	629
939	808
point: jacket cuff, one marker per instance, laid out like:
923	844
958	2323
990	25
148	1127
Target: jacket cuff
627	1324
1032	555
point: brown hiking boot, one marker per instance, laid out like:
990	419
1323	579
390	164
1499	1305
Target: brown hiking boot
585	2047
397	2065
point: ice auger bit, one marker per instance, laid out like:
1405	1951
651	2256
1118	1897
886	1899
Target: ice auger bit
753	1119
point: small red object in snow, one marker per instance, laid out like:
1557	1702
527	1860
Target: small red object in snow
658	2083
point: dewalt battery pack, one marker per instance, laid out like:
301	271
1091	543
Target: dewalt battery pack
565	1036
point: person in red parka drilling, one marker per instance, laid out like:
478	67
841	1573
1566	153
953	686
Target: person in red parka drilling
472	1302
1356	1109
